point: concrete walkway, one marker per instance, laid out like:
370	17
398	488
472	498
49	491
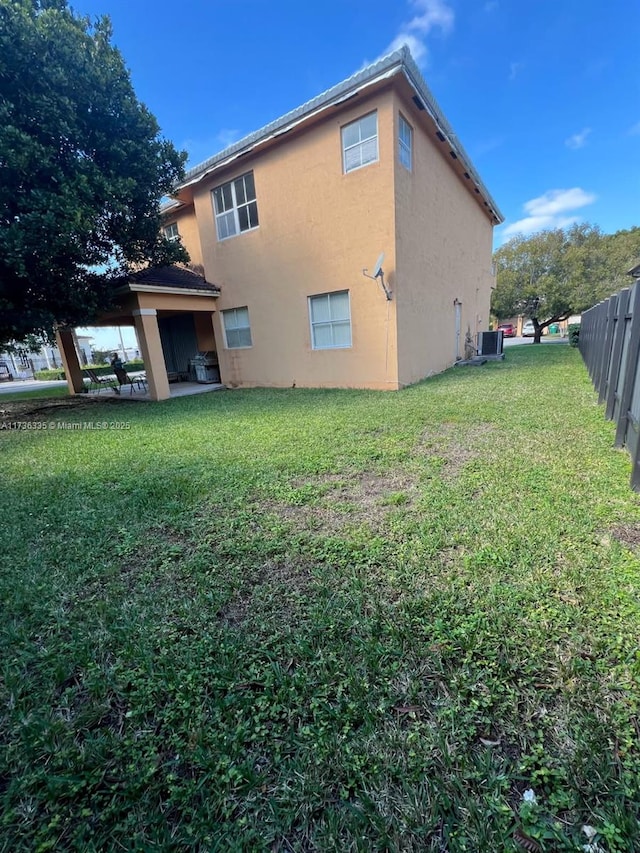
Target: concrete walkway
176	389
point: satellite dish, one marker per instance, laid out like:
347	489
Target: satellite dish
378	272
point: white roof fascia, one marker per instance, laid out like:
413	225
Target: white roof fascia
287	127
385	68
418	84
153	288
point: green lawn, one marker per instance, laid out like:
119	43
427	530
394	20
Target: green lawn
61	390
324	621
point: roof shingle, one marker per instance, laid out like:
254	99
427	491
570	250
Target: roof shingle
173	276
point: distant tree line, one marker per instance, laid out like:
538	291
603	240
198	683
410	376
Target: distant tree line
553	274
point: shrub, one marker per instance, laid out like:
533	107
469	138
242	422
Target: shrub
48	374
107	370
573	330
102	370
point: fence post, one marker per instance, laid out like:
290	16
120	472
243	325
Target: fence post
635	471
630	368
593	323
583	339
597	349
605	359
618	339
592	344
601	332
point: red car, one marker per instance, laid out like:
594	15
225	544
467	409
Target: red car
508	330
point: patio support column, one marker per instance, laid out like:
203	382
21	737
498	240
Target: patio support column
146	320
70	360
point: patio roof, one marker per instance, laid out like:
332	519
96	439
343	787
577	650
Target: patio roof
172	279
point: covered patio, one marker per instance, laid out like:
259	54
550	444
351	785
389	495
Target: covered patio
176	389
172	310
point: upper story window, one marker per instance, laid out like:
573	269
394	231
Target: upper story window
237	330
360	142
405	142
235	206
171	231
330	317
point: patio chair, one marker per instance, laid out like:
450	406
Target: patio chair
98	382
124	379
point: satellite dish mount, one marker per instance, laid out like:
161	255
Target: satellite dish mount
378	273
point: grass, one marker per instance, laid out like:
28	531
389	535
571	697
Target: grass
39	394
324	620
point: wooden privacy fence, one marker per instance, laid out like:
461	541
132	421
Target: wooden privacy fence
609	343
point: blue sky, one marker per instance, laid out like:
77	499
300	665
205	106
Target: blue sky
544	95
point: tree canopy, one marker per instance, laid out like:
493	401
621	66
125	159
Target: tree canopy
83	170
556	273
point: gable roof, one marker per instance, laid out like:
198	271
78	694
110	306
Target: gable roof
173	277
398	62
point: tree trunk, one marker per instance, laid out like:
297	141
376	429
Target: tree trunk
537	335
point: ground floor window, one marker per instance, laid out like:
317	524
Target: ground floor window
237	330
330	318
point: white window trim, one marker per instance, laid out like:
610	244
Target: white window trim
175	236
233	210
224	327
402	146
311	324
362	141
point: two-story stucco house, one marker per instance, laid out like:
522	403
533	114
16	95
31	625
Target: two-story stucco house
284	221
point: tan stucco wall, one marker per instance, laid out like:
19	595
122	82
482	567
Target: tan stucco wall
175	302
188	230
205	331
170	303
318	229
444	250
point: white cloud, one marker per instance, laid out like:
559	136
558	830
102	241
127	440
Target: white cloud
431	15
227	137
201	149
514	69
554	209
416	45
485	146
578	140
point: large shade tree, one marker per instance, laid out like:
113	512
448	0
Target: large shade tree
83	170
553	274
